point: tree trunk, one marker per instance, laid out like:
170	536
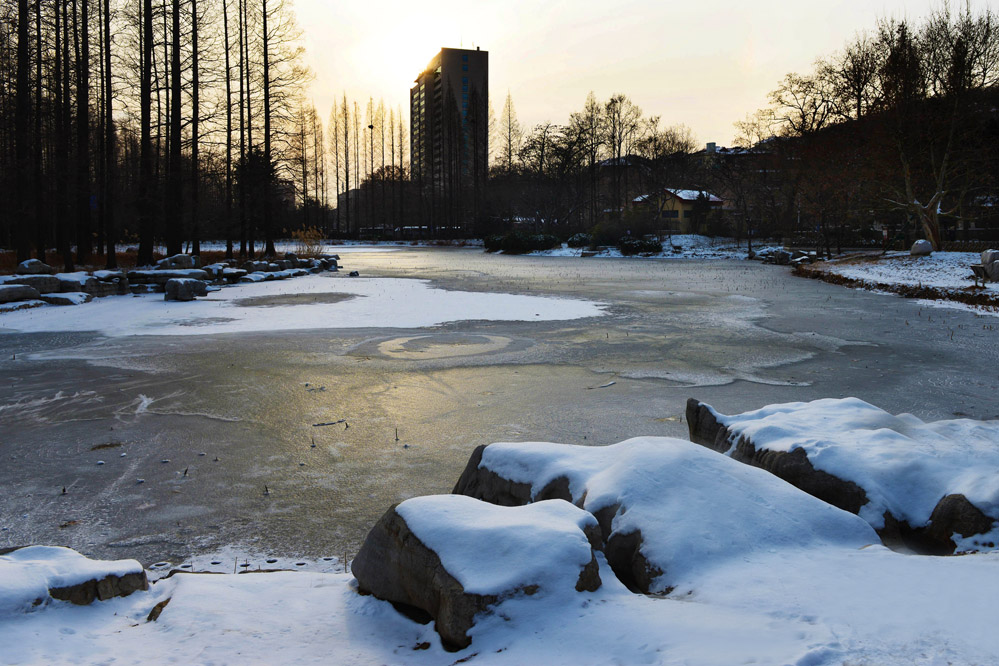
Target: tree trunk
174	234
267	185
65	219
228	134
84	240
110	234
22	136
41	220
145	217
195	112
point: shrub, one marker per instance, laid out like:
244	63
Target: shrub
580	240
518	242
308	242
629	245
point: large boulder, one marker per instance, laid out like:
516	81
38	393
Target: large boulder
34	267
667	509
161	276
990	261
17	292
76	282
451	558
34	576
927	487
184	289
67	298
43	283
921	248
179	261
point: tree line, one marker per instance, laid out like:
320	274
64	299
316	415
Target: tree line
135	120
899	126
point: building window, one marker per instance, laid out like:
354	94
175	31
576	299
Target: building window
464	80
464	58
464	68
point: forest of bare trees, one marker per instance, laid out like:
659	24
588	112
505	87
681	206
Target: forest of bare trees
142	121
165	123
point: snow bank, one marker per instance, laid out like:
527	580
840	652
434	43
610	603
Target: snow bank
492	549
903	464
27	574
695	509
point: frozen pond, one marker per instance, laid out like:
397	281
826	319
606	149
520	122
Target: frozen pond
208	421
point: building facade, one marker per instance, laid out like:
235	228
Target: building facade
449	137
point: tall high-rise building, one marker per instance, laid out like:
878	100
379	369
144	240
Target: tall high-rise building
449	134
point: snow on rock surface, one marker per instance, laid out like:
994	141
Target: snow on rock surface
453	557
668	509
483	545
28	576
904	467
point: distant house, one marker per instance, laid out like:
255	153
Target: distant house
680	211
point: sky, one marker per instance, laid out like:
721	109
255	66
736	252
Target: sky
704	64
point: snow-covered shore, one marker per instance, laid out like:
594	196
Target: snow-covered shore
943	279
765	574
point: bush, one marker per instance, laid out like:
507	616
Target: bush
518	242
580	240
308	242
606	233
629	245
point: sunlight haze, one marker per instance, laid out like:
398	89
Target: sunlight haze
704	64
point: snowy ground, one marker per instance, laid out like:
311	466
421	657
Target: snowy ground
313	302
801	606
947	272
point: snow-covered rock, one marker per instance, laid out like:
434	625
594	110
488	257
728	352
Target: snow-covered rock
921	248
16	292
67	298
43	283
160	276
33	267
668	509
34	576
452	557
931	487
179	261
184	289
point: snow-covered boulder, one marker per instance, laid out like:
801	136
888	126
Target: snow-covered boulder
668	509
34	267
161	276
921	248
34	576
16	292
990	261
929	487
453	557
258	266
184	289
43	283
179	261
75	282
67	298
